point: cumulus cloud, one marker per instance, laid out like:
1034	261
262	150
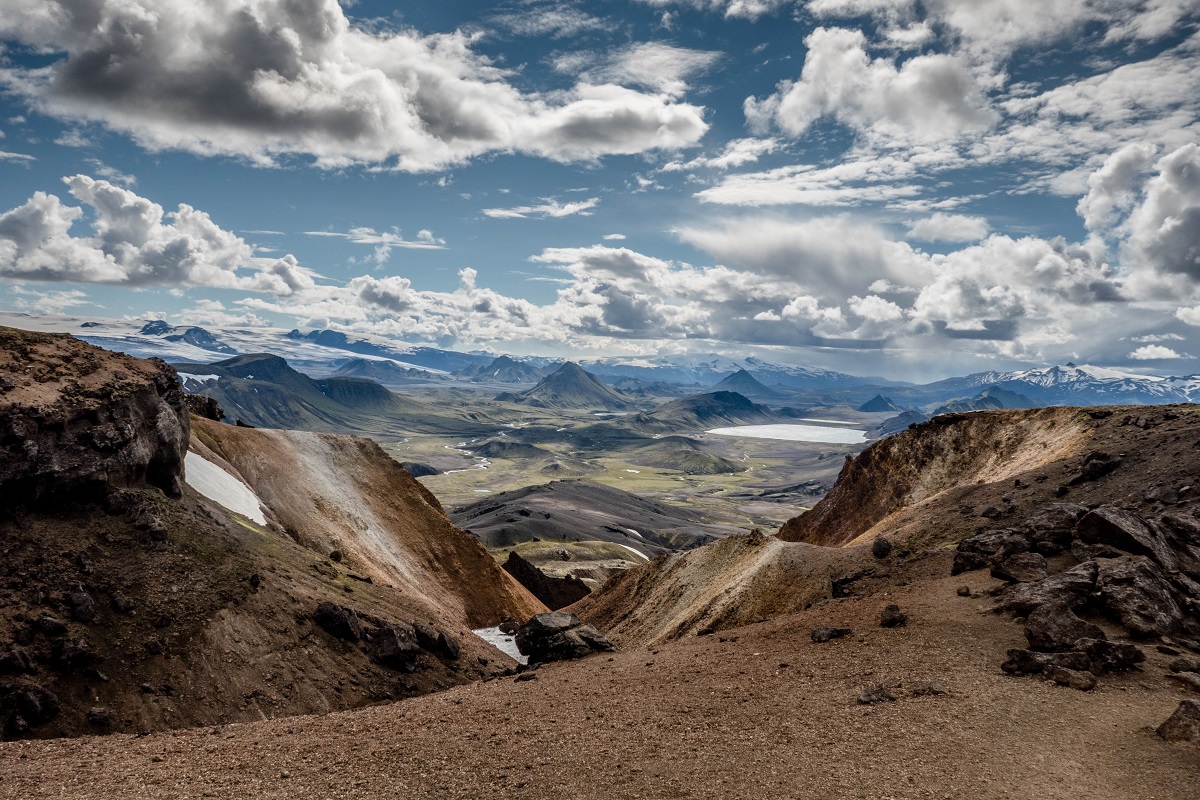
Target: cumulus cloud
735	153
270	78
658	66
730	9
942	227
613	237
133	242
929	98
550	208
1155	352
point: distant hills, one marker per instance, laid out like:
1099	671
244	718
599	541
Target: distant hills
877	404
503	370
384	371
570	386
745	384
703	411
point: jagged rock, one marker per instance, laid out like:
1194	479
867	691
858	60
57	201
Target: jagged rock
427	635
1105	656
1031	662
509	626
122	604
876	694
83	607
204	406
1054	626
36	705
73	655
892	617
559	636
1083	681
556	593
881	548
50	626
395	646
1126	531
1162	494
1071	587
825	634
448	646
99	717
1096	465
1185	664
1140	597
1021	568
338	621
987	549
1052	528
16	661
1083	551
1184	724
78	431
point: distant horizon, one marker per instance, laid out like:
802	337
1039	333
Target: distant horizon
881	187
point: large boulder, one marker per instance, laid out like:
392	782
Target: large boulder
338	621
1106	656
559	636
78	421
1072	588
1184	724
987	549
1051	529
1021	568
1126	531
1140	597
1055	626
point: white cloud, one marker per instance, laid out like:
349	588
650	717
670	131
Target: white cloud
557	20
1155	352
266	79
51	302
1157	337
929	98
730	9
5	155
550	208
613	237
735	153
425	239
658	66
1189	316
942	227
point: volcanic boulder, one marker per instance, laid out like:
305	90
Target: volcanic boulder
559	636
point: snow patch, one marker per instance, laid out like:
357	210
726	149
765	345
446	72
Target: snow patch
795	433
637	553
504	642
222	488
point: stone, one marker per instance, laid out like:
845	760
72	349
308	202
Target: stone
881	548
1096	465
509	626
876	694
963	591
73	655
1185	664
1128	532
555	593
1139	596
1188	679
987	549
15	662
50	626
1051	528
122	604
37	705
892	617
929	689
1105	656
1184	724
338	621
99	717
1031	662
820	635
1072	587
1055	626
83	607
427	635
447	646
1076	679
395	646
1021	568
559	636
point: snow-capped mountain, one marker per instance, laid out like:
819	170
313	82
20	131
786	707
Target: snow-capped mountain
1079	385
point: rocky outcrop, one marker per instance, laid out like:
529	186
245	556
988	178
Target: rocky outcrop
559	636
76	422
556	593
1184	724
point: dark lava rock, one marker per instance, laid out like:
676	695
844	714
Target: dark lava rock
509	626
73	655
1021	568
1184	724
122	604
204	406
78	431
447	646
36	705
1105	656
1052	528
83	607
427	635
396	646
1083	681
825	634
17	661
556	593
1072	588
1031	662
1185	664
255	581
881	547
892	617
526	676
50	626
99	717
963	591
419	470
1162	494
987	549
559	636
1096	465
338	621
876	694
1140	597
1054	626
1125	531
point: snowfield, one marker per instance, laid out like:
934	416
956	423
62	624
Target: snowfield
222	488
796	433
504	642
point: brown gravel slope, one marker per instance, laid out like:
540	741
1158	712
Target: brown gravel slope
763	712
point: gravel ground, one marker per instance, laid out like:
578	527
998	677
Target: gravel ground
764	712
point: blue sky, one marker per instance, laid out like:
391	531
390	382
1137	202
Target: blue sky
903	188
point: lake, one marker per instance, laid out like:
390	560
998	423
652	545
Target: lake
796	433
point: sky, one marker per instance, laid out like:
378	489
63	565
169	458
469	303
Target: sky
910	188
